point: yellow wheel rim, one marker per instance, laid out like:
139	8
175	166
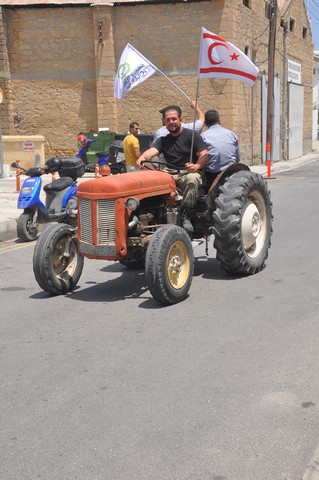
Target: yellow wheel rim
178	265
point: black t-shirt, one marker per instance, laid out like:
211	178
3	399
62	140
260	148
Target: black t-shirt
176	150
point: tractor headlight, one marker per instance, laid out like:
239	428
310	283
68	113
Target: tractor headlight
72	203
132	203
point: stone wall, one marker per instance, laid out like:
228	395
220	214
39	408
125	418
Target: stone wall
177	57
6	113
28	150
58	66
52	68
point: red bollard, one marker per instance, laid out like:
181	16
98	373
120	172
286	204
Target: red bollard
268	161
18	182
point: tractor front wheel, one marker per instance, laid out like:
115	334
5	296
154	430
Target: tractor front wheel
169	264
57	264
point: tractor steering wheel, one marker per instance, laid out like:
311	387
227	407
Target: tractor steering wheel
157	164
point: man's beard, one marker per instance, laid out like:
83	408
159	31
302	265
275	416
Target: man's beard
174	129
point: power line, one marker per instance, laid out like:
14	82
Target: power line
313	14
315	3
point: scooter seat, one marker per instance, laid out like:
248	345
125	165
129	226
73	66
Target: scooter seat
58	185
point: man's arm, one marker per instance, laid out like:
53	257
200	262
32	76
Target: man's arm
137	152
147	155
199	112
136	147
202	159
201	153
199	123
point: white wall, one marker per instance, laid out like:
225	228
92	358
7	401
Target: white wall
316	80
315	96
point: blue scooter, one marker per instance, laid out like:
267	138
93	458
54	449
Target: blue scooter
60	196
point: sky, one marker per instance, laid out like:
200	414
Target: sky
313	15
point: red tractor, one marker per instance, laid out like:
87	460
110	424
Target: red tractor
134	218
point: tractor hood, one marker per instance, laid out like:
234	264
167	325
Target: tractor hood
142	183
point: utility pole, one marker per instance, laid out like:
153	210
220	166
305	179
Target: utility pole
271	68
284	93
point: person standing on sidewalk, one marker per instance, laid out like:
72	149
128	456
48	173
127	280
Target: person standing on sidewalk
131	147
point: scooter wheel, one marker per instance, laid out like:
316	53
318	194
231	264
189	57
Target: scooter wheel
26	231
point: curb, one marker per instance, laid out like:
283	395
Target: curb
8	230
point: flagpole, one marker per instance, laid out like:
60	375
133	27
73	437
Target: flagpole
197	93
167	78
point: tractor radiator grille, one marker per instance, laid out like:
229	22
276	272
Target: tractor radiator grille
86	220
106	221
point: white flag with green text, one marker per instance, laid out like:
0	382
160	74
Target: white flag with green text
133	69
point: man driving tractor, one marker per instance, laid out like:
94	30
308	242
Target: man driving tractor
176	148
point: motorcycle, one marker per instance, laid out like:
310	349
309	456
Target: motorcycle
111	162
60	196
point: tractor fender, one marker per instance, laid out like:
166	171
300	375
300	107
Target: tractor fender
212	193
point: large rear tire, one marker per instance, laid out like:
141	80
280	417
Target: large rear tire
26	231
57	264
169	264
243	223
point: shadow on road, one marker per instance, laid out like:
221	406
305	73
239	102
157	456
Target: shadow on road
131	283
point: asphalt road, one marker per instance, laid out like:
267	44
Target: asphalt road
104	384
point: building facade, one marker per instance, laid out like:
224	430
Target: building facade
58	63
315	121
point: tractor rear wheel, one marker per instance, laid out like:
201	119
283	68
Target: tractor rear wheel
243	223
169	264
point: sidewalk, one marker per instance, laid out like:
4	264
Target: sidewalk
8	195
8	202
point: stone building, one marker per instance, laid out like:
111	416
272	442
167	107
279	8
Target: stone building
59	58
315	106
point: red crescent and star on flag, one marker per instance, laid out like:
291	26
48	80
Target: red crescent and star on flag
233	56
227	61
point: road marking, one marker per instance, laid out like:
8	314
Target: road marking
12	248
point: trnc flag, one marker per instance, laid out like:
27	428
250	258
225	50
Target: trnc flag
221	59
133	69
